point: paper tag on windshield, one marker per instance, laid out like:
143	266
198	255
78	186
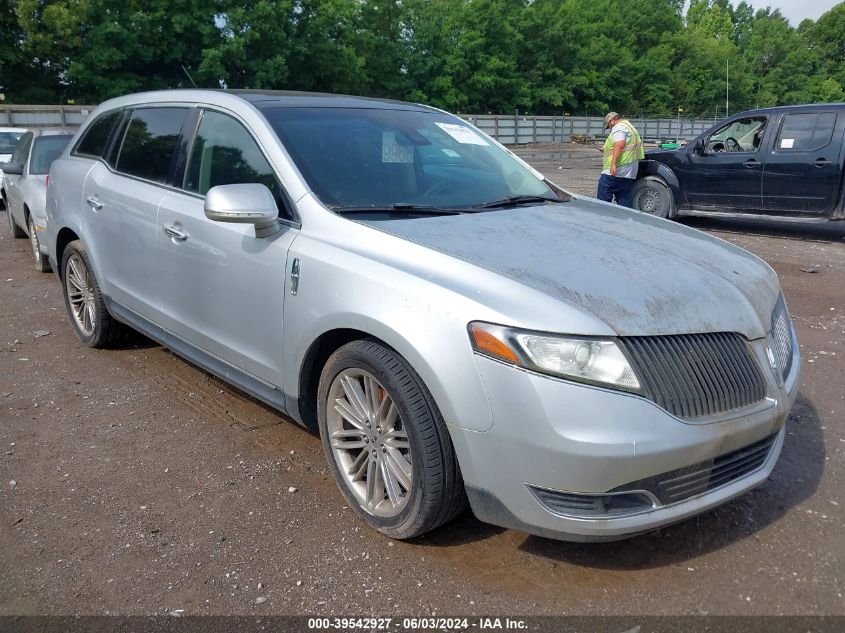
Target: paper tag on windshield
394	152
462	134
787	143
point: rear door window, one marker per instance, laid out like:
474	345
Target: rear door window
225	153
150	144
94	140
806	131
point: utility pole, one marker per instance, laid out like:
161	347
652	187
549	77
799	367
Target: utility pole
727	87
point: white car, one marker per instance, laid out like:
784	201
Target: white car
9	137
26	188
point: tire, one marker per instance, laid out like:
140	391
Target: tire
84	302
42	264
405	436
652	195
14	229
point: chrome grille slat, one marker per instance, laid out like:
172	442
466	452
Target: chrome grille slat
729	474
696	375
716	476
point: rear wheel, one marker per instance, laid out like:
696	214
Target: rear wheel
85	305
14	229
41	262
386	442
652	195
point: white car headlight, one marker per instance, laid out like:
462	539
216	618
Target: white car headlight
593	360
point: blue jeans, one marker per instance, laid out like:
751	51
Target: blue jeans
610	186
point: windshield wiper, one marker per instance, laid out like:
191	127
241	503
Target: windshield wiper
515	200
413	209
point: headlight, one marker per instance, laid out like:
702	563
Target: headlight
593	360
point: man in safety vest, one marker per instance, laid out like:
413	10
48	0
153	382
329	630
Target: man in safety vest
623	150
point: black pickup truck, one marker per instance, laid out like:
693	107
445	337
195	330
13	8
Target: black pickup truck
784	162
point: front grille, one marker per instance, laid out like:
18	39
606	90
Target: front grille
696	375
687	482
782	338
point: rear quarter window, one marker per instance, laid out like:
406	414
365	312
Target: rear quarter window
96	137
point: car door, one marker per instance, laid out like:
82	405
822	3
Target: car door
727	173
223	287
121	195
803	169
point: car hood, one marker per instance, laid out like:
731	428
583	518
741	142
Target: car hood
639	274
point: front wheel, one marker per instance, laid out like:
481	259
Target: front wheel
652	195
386	442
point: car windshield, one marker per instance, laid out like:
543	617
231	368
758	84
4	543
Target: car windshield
45	150
8	140
380	158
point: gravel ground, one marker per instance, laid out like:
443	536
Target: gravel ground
131	482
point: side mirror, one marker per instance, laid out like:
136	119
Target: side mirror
698	147
12	168
244	204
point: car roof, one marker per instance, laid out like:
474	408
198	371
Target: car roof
265	99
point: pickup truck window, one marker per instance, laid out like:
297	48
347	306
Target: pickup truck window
806	132
742	135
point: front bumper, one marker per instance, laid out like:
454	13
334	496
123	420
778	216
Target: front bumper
562	436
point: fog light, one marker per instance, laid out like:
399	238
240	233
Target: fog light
593	506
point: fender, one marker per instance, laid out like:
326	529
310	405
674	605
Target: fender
656	168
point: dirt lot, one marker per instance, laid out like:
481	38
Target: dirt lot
133	483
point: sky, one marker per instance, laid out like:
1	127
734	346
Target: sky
796	10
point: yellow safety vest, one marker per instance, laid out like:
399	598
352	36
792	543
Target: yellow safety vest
633	148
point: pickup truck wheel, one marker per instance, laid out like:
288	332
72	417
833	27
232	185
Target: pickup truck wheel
652	195
42	265
85	305
14	229
386	442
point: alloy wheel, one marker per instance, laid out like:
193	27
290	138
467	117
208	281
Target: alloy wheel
81	294
369	443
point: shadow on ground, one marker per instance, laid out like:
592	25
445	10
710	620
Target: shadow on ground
817	231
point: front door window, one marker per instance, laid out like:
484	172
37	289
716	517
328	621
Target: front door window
743	135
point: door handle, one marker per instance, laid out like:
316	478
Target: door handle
176	234
821	162
294	276
94	202
751	163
